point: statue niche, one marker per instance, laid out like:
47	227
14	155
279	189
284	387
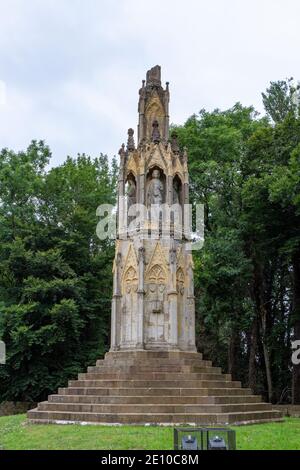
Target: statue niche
155	188
177	190
154	119
130	192
176	214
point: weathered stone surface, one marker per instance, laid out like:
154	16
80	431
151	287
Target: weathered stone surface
118	393
153	295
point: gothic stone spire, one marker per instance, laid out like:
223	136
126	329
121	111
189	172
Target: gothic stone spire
153	106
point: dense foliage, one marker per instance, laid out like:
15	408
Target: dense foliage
246	172
55	274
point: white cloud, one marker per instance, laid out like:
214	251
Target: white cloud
73	68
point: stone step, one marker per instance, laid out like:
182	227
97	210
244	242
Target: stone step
155	362
144	399
155	383
151	418
154	368
148	355
148	391
154	376
152	408
154	387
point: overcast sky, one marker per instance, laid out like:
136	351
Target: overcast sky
70	70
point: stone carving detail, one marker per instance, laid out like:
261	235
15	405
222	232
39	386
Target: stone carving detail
178	168
158	259
153	300
153	105
157	275
131	193
153	76
130	277
158	158
155	189
130	280
130	141
174	143
173	256
180	281
122	152
132	167
141	254
155	132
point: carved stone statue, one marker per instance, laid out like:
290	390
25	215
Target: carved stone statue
155	189
130	141
131	193
155	132
174	143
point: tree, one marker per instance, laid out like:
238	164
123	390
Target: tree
243	284
279	99
217	148
55	272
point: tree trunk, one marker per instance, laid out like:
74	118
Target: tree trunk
264	336
232	354
262	308
252	354
268	371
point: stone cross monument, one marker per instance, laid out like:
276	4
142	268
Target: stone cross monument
153	295
153	373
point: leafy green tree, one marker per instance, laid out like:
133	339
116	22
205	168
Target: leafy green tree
239	167
55	272
279	99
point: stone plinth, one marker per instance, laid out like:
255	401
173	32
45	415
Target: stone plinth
159	388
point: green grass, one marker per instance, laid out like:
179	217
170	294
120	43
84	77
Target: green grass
16	434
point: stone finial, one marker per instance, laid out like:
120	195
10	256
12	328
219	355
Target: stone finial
130	141
154	76
155	132
174	143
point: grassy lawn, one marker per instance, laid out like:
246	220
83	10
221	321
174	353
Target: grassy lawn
16	434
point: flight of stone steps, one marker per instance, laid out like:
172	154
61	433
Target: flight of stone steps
147	387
